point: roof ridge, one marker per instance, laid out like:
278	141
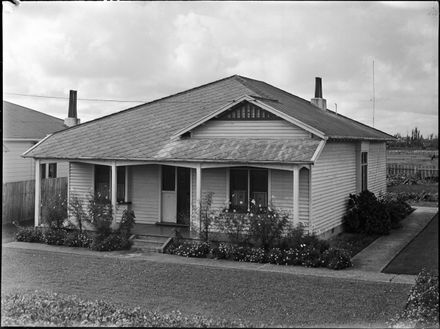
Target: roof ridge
147	103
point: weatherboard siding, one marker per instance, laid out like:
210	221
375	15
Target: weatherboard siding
81	177
214	180
249	129
333	179
377	168
282	193
304	196
143	192
282	190
15	167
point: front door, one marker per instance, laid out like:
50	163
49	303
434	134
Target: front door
183	195
176	195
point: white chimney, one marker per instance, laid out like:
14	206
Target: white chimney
318	100
72	119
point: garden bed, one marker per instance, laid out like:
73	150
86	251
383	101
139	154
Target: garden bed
352	242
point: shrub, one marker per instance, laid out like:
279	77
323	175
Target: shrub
192	249
235	226
336	259
366	214
127	223
422	307
266	226
397	209
222	251
113	241
240	253
257	255
45	309
309	256
55	211
293	237
206	216
29	234
54	236
312	241
292	257
76	238
76	210
275	256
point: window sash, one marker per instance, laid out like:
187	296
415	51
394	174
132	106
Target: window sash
247	185
52	170
103	182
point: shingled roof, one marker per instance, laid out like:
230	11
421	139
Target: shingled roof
144	132
20	122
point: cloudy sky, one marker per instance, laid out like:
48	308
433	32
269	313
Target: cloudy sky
141	51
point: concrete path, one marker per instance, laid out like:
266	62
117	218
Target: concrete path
382	251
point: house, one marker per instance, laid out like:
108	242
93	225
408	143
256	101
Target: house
237	137
22	129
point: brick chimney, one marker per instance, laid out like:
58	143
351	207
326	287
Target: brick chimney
318	100
72	119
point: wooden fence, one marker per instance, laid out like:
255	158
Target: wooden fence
412	170
18	198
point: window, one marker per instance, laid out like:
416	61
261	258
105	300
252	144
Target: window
103	182
52	170
247	185
43	170
120	195
364	170
168	178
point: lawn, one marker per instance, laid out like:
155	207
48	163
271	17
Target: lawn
420	252
259	297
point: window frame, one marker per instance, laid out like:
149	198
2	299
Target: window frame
43	171
120	177
249	190
364	171
52	173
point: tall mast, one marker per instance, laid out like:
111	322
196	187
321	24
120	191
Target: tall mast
374	98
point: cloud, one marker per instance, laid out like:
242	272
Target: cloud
148	50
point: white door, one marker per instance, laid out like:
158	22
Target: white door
169	194
169	206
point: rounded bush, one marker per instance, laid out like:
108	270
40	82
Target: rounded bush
54	236
29	234
336	259
275	256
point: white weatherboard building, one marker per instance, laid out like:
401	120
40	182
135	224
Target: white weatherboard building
237	137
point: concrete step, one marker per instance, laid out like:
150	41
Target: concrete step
150	242
152	238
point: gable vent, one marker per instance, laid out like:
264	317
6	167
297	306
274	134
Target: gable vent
247	111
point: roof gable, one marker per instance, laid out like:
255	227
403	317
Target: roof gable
20	122
255	102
